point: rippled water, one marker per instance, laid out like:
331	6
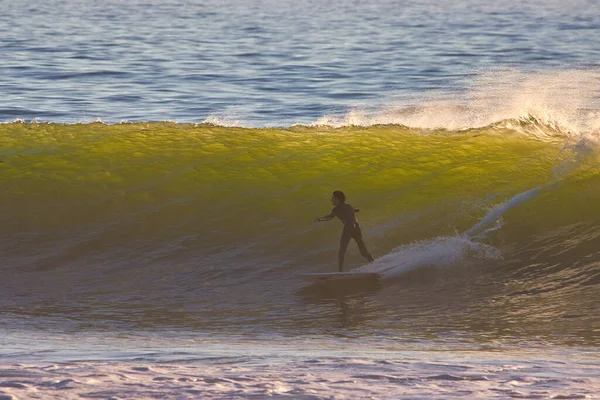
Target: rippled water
269	62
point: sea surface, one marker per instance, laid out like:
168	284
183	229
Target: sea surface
162	162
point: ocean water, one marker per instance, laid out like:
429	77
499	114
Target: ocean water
161	164
265	63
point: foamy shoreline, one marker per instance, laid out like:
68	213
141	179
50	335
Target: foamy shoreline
443	375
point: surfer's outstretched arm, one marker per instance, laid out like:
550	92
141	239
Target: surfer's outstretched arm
328	217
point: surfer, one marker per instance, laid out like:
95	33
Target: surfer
347	214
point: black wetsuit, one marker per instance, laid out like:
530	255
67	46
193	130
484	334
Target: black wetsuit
347	214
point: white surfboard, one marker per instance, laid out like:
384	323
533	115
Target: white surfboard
337	276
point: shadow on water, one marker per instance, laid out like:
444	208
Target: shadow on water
339	290
345	305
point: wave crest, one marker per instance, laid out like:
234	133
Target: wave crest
544	104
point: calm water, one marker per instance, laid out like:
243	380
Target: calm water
262	63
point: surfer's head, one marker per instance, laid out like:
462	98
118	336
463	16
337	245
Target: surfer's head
338	198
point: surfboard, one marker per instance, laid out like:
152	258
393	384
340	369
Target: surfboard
336	276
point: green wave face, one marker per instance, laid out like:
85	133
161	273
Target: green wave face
95	204
236	178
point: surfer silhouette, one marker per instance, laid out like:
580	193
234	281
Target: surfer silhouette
347	214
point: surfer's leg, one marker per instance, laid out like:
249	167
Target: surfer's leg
361	245
344	240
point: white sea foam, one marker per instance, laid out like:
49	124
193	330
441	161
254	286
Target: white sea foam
495	214
229	119
439	252
449	250
566	102
409	375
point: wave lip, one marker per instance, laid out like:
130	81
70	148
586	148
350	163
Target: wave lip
563	103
